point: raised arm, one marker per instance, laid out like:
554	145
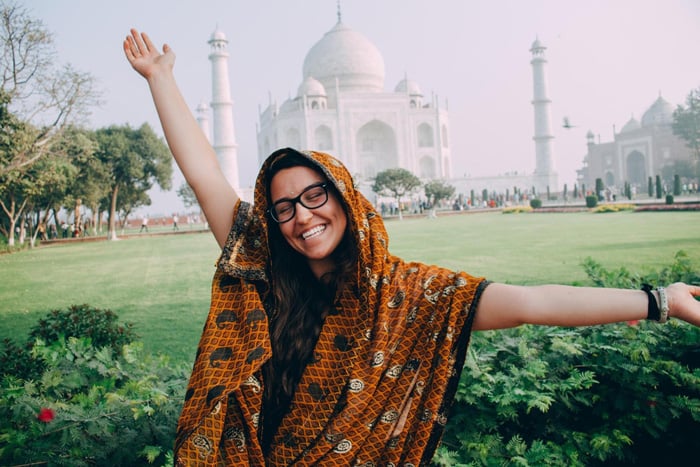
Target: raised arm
504	306
190	147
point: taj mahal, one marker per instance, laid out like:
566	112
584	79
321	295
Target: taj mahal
342	107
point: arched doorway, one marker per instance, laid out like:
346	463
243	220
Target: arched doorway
376	148
636	171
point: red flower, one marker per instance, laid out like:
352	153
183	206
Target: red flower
633	322
46	415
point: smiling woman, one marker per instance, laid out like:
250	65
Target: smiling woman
337	352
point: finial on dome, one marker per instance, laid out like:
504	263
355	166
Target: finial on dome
339	13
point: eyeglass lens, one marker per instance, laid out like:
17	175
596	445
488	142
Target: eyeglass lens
312	197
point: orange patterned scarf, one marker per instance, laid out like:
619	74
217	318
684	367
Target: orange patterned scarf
385	367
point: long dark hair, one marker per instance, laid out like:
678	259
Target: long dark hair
298	306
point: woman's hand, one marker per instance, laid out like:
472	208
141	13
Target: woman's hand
144	56
682	303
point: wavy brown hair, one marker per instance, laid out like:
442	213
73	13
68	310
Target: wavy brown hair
298	305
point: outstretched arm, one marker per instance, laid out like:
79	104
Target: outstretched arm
190	147
505	306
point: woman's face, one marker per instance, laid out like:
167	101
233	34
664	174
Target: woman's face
314	233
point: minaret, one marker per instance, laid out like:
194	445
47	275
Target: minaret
222	109
545	171
203	119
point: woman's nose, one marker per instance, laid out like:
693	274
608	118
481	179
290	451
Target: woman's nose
303	214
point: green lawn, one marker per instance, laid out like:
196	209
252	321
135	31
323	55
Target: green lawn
161	283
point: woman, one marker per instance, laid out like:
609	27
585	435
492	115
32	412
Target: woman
321	348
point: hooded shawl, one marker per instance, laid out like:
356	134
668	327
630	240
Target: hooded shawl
385	368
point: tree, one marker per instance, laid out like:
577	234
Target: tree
91	184
686	125
599	189
134	160
186	194
397	183
14	136
35	89
436	191
38	99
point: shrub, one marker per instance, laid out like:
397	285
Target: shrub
91	408
84	321
535	203
591	201
16	360
669	199
602	395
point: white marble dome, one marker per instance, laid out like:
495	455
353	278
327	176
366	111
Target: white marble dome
311	87
660	112
631	125
350	57
409	87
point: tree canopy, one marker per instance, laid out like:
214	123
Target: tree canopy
39	100
686	125
39	92
134	160
437	190
395	182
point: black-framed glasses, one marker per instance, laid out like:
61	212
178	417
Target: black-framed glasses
312	197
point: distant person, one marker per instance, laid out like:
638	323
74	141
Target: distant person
321	347
175	219
144	224
42	231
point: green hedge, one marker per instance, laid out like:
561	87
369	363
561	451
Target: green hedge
617	394
67	401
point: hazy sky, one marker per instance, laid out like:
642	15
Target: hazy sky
608	62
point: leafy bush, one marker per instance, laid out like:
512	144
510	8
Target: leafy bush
84	321
591	201
100	326
91	408
535	203
669	199
16	360
80	392
617	394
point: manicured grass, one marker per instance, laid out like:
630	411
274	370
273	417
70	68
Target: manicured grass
547	248
162	283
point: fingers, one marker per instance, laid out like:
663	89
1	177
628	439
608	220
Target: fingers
694	290
147	42
139	44
128	49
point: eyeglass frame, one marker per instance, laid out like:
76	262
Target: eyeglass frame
298	199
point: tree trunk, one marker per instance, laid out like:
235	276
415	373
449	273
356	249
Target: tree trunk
95	216
112	232
13	221
13	215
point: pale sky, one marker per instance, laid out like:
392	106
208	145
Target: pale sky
608	61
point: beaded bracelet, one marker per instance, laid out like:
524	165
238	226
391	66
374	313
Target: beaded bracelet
663	305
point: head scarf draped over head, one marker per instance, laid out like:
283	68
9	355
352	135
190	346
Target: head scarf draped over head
385	366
